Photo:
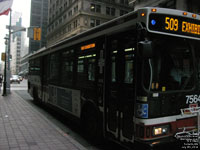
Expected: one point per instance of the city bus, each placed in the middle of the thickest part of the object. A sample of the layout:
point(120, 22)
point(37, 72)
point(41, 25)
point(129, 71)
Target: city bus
point(128, 79)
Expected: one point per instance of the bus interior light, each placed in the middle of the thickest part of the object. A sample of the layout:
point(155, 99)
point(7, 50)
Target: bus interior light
point(157, 85)
point(85, 47)
point(129, 49)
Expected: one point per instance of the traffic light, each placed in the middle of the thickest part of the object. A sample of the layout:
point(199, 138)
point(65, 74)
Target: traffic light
point(37, 34)
point(3, 56)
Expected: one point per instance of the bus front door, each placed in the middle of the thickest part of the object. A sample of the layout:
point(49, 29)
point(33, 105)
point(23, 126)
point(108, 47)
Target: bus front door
point(119, 91)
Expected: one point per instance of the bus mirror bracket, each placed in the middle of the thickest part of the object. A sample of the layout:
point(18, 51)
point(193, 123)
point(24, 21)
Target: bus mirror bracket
point(145, 49)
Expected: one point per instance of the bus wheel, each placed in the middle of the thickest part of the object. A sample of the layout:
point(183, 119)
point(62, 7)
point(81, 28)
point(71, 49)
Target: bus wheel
point(35, 95)
point(91, 125)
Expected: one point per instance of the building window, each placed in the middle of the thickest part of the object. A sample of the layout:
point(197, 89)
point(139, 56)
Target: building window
point(57, 2)
point(70, 2)
point(107, 10)
point(75, 24)
point(122, 12)
point(95, 8)
point(76, 9)
point(70, 13)
point(65, 4)
point(50, 11)
point(69, 27)
point(110, 11)
point(94, 22)
point(60, 20)
point(61, 9)
point(56, 23)
point(64, 17)
point(168, 4)
point(124, 2)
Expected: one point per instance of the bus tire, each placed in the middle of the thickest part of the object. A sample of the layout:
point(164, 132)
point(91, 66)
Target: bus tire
point(91, 124)
point(35, 95)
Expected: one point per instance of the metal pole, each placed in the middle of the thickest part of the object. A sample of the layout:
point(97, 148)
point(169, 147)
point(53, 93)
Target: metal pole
point(8, 54)
point(198, 127)
point(4, 82)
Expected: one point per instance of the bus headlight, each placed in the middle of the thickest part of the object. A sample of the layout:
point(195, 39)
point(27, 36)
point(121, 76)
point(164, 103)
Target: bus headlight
point(160, 130)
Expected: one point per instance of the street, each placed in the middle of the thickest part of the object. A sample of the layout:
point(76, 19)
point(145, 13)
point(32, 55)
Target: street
point(21, 86)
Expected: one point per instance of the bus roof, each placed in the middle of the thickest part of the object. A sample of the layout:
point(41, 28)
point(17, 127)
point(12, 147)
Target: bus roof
point(117, 24)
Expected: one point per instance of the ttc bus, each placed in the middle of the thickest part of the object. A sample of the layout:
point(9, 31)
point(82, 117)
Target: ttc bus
point(127, 79)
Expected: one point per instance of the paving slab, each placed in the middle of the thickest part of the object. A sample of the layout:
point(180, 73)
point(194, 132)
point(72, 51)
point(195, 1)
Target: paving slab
point(22, 127)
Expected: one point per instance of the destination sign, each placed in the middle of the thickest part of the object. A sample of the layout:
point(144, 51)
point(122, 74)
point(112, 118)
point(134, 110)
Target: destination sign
point(175, 25)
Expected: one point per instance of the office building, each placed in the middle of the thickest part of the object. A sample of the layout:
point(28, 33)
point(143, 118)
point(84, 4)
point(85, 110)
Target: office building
point(71, 17)
point(38, 18)
point(16, 44)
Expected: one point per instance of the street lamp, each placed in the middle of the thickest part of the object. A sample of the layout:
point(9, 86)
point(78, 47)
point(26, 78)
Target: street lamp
point(5, 68)
point(7, 72)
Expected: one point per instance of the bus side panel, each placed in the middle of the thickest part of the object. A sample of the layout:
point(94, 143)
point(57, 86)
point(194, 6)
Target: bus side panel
point(35, 84)
point(66, 99)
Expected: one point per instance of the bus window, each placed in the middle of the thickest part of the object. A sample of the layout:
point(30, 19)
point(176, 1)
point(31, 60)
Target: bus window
point(113, 73)
point(129, 58)
point(91, 69)
point(67, 67)
point(34, 68)
point(128, 70)
point(80, 68)
point(171, 68)
point(197, 54)
point(54, 68)
point(67, 72)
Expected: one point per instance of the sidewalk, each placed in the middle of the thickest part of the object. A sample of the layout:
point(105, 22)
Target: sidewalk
point(24, 128)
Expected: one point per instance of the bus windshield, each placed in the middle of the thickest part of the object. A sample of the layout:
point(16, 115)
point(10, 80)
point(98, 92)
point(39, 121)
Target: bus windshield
point(170, 68)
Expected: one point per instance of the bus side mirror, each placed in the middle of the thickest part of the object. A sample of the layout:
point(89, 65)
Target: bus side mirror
point(145, 49)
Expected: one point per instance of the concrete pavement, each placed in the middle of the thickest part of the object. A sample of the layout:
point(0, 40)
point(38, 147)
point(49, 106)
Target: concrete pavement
point(24, 128)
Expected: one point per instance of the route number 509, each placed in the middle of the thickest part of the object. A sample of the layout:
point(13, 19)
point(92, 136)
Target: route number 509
point(171, 24)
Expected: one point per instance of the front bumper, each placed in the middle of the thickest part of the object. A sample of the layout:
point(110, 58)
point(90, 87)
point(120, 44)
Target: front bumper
point(168, 143)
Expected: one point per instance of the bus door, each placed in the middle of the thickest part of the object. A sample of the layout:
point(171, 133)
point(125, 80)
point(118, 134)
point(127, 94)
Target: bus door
point(44, 79)
point(119, 88)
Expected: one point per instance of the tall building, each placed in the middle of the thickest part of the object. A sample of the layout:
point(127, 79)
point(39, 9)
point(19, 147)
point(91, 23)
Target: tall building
point(70, 17)
point(16, 44)
point(38, 18)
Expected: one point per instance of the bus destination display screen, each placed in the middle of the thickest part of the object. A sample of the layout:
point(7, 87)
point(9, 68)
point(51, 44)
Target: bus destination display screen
point(174, 25)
